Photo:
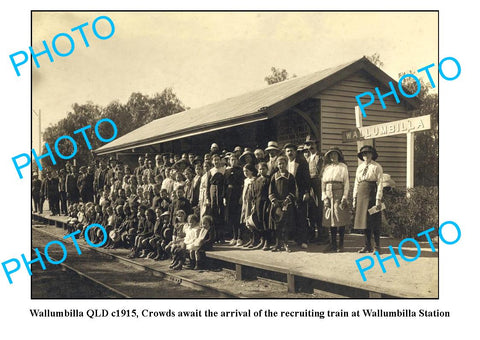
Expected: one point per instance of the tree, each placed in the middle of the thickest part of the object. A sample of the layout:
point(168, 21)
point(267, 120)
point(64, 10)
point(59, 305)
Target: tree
point(375, 59)
point(120, 115)
point(81, 116)
point(165, 104)
point(139, 110)
point(277, 76)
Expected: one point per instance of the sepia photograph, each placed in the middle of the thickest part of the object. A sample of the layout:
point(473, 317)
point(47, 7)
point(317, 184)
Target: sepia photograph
point(234, 154)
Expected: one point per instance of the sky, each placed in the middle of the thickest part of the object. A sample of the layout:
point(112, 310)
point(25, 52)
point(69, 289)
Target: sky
point(209, 56)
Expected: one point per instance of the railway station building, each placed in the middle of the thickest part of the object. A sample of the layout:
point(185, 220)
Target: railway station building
point(321, 104)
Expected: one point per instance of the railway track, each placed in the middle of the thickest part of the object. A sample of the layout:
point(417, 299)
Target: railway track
point(101, 273)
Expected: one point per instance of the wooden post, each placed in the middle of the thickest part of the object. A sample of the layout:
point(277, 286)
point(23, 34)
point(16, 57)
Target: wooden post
point(238, 272)
point(291, 283)
point(359, 124)
point(410, 160)
point(358, 117)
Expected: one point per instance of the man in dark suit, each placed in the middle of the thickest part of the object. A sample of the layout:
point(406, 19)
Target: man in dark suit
point(71, 185)
point(99, 180)
point(111, 170)
point(315, 167)
point(298, 167)
point(234, 179)
point(62, 192)
point(85, 184)
point(37, 194)
point(52, 193)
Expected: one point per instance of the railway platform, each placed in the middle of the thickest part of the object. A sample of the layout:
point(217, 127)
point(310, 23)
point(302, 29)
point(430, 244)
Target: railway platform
point(304, 271)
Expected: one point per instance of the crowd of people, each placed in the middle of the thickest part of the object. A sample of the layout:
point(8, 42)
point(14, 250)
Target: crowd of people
point(176, 206)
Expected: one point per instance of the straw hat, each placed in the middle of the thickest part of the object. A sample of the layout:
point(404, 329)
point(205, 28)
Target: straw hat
point(272, 145)
point(337, 150)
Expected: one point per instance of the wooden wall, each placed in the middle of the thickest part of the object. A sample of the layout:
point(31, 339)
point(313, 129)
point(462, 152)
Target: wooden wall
point(337, 105)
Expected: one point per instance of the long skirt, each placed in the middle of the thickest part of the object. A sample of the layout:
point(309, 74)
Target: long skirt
point(366, 198)
point(335, 216)
point(202, 203)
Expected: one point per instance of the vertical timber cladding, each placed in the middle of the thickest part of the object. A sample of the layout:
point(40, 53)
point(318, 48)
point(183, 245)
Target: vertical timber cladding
point(337, 115)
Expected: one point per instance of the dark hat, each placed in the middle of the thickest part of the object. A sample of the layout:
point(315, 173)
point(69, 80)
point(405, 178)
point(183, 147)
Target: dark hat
point(251, 168)
point(310, 140)
point(368, 148)
point(337, 150)
point(247, 151)
point(197, 159)
point(180, 165)
point(289, 145)
point(272, 145)
point(189, 168)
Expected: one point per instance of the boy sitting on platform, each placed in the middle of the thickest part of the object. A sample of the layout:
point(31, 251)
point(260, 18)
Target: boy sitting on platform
point(197, 239)
point(140, 230)
point(178, 237)
point(156, 241)
point(143, 245)
point(72, 218)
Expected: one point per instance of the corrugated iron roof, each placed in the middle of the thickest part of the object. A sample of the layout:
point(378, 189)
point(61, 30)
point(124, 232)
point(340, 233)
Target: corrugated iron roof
point(249, 107)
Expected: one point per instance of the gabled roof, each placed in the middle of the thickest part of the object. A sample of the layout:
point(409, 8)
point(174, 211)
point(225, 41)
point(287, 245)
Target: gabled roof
point(246, 108)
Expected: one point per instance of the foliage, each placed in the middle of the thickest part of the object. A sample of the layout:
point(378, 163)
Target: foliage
point(277, 76)
point(406, 217)
point(139, 110)
point(375, 59)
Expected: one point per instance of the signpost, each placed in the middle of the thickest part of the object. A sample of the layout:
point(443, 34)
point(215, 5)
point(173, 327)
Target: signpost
point(408, 126)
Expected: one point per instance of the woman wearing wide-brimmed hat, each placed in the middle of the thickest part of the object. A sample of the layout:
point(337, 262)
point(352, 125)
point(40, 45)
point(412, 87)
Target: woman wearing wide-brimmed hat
point(335, 185)
point(367, 193)
point(248, 157)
